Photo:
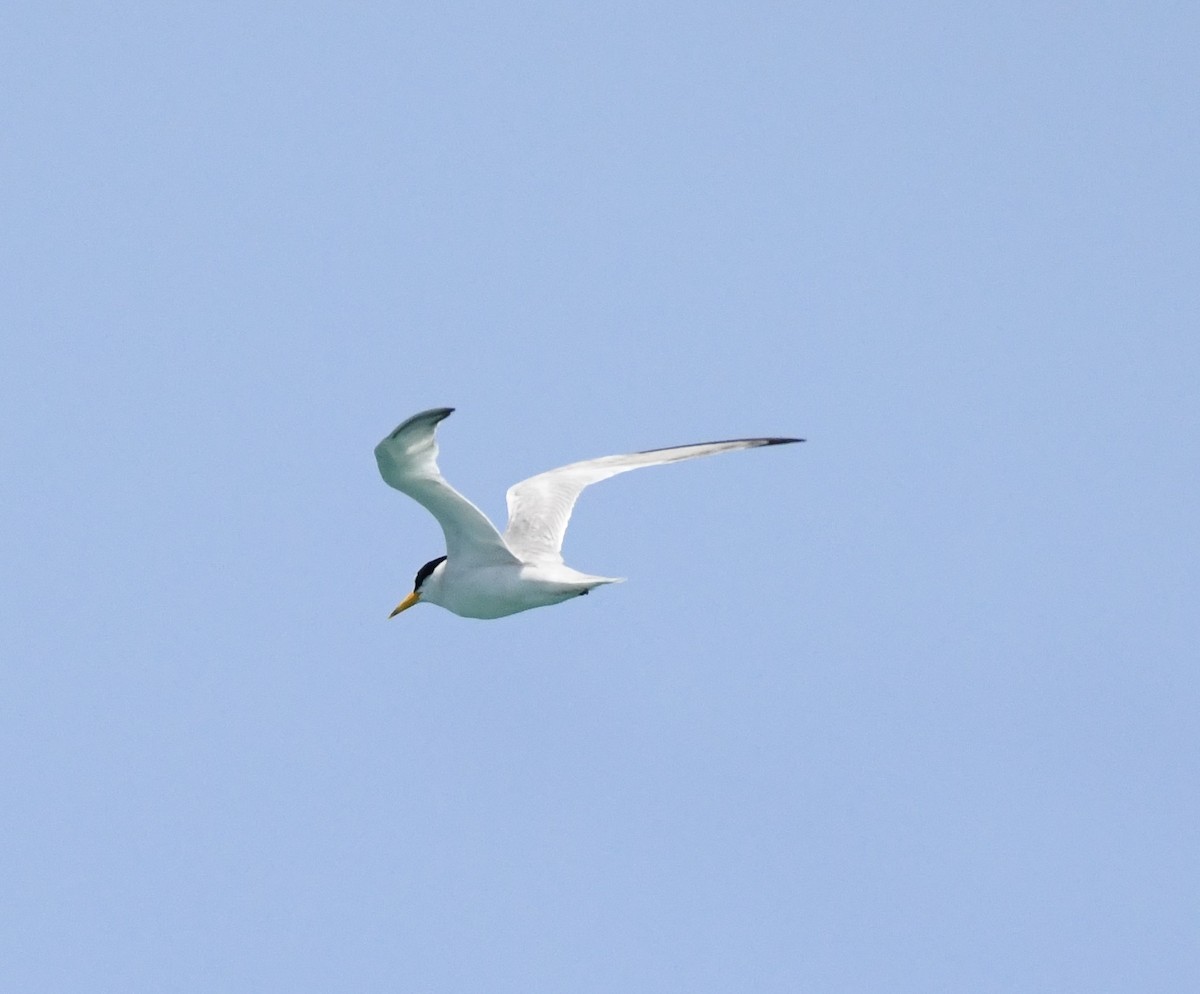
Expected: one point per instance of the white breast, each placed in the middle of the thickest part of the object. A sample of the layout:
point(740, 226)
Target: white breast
point(496, 591)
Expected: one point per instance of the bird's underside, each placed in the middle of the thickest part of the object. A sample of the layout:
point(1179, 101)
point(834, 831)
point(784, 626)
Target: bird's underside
point(488, 575)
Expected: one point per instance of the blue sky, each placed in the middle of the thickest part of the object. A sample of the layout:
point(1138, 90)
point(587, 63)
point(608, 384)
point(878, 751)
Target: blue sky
point(911, 707)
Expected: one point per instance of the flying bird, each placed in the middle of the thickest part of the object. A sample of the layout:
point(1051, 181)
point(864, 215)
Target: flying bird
point(488, 575)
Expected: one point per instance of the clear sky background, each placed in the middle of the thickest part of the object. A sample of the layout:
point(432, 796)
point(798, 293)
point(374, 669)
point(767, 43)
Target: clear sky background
point(911, 707)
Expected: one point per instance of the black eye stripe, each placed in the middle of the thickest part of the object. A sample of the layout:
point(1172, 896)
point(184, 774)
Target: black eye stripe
point(424, 571)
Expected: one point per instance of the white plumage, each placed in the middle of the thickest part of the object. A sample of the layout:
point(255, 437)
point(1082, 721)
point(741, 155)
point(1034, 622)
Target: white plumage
point(488, 575)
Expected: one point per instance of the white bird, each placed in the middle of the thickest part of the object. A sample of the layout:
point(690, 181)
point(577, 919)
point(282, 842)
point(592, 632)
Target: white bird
point(488, 575)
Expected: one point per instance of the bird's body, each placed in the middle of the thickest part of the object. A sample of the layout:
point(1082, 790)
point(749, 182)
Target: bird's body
point(488, 575)
point(495, 591)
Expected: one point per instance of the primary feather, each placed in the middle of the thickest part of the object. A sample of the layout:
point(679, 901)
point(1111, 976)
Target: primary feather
point(539, 509)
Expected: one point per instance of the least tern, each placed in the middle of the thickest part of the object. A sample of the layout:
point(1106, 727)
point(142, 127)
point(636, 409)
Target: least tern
point(488, 575)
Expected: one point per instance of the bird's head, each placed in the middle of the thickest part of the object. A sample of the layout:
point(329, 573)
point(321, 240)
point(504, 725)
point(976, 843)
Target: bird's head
point(419, 584)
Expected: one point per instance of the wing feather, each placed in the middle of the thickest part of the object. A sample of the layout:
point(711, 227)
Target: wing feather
point(539, 508)
point(408, 461)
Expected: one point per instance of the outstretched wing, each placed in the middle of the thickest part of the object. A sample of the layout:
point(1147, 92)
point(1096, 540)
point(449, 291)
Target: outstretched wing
point(540, 507)
point(408, 461)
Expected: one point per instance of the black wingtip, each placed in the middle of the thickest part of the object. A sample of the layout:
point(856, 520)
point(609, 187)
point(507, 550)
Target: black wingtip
point(434, 415)
point(748, 443)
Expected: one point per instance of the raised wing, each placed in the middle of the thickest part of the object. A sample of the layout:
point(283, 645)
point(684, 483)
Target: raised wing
point(540, 507)
point(408, 461)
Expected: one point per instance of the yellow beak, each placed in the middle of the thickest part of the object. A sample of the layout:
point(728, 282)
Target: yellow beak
point(405, 604)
